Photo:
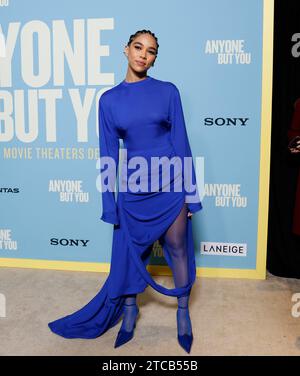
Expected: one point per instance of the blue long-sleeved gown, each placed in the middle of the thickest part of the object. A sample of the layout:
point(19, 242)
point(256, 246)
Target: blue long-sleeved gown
point(148, 116)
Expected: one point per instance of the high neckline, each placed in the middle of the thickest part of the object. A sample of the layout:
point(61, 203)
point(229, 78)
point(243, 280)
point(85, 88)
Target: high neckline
point(148, 78)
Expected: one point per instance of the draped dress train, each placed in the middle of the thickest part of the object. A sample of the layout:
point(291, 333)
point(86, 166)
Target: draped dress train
point(148, 116)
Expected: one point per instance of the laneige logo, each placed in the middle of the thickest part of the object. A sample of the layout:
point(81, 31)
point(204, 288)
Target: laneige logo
point(223, 249)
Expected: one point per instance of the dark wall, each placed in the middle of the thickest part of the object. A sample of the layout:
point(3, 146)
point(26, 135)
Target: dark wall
point(283, 258)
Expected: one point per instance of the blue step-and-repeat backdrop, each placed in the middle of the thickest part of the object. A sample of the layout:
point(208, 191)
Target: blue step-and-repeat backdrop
point(57, 58)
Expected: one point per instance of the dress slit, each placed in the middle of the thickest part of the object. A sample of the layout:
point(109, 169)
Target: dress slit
point(105, 309)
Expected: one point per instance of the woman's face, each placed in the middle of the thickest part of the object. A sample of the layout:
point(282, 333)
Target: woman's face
point(141, 52)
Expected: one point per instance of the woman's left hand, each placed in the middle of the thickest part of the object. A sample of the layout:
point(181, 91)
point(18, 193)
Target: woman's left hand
point(189, 215)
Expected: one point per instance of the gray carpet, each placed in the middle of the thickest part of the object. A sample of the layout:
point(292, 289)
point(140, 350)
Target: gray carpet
point(229, 316)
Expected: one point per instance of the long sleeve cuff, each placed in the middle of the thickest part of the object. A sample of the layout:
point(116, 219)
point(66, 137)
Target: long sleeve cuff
point(193, 208)
point(110, 217)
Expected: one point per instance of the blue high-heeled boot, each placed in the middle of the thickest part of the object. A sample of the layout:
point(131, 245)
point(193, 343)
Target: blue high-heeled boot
point(124, 335)
point(184, 328)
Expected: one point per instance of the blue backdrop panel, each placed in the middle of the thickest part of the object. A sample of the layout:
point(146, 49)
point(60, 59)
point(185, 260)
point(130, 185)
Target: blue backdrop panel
point(56, 59)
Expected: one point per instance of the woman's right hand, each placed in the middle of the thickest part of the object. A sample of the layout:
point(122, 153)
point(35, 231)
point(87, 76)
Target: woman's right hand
point(296, 146)
point(294, 150)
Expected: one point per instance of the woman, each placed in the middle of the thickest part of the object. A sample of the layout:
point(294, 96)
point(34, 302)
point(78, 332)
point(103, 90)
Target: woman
point(294, 146)
point(147, 115)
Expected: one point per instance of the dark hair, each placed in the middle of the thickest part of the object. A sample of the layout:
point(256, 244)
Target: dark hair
point(133, 36)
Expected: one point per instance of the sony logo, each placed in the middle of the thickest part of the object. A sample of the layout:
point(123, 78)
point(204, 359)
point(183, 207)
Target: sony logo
point(69, 242)
point(225, 121)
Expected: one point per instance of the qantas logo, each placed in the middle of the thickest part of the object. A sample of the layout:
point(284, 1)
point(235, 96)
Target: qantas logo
point(9, 190)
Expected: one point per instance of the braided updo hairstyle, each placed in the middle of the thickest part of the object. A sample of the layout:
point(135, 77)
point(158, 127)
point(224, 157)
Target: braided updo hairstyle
point(137, 33)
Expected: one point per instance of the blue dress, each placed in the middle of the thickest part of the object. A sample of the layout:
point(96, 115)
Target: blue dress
point(148, 116)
